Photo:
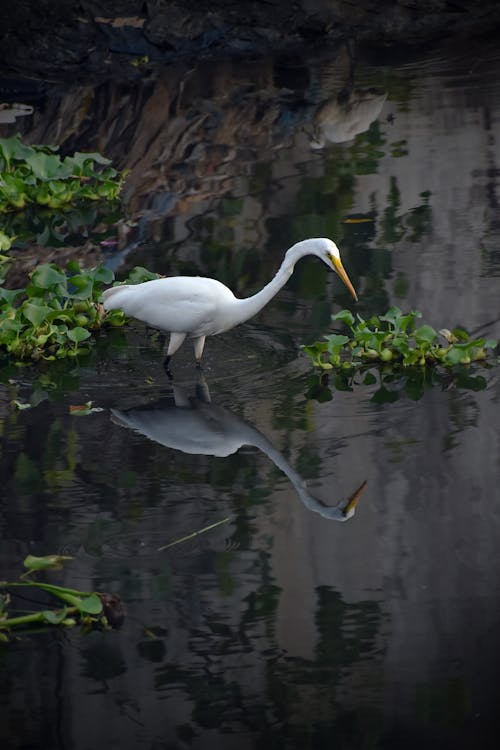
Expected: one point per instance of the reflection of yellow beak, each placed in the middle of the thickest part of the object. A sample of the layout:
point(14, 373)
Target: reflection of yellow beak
point(353, 500)
point(339, 268)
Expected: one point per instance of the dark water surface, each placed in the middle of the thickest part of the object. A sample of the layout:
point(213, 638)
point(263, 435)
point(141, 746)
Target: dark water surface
point(280, 627)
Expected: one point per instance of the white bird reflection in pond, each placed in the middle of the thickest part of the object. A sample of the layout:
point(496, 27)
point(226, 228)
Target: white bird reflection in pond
point(343, 117)
point(195, 425)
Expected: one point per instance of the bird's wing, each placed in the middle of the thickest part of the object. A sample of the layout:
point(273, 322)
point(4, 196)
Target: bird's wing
point(180, 303)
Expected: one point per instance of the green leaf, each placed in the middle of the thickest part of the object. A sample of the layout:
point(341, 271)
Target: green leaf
point(78, 334)
point(453, 356)
point(459, 333)
point(9, 295)
point(139, 274)
point(336, 341)
point(103, 275)
point(36, 314)
point(345, 316)
point(47, 276)
point(425, 334)
point(54, 617)
point(79, 159)
point(80, 287)
point(90, 605)
point(33, 563)
point(12, 148)
point(47, 166)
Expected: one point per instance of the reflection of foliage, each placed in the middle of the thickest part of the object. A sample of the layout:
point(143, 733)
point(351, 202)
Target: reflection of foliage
point(347, 631)
point(301, 695)
point(62, 227)
point(413, 225)
point(366, 150)
point(89, 608)
point(37, 174)
point(411, 383)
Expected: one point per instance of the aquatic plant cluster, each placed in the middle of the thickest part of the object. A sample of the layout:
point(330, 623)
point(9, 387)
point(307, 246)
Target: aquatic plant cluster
point(395, 338)
point(88, 608)
point(53, 317)
point(37, 174)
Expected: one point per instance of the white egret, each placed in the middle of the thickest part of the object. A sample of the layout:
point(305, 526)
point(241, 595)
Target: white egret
point(198, 307)
point(196, 426)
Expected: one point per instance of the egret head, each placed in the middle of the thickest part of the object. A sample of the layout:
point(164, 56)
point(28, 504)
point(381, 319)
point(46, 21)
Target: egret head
point(330, 254)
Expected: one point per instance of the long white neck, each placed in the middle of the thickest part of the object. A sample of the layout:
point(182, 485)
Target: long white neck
point(250, 306)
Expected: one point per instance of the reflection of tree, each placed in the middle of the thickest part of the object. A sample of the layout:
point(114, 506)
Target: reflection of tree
point(299, 698)
point(413, 225)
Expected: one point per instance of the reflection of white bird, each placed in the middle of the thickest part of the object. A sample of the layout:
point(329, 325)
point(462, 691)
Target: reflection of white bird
point(199, 427)
point(199, 307)
point(341, 118)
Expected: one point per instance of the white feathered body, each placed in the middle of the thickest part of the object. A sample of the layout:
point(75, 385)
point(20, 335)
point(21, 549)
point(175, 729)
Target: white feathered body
point(194, 305)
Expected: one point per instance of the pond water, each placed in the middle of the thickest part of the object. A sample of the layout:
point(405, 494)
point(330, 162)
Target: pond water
point(278, 626)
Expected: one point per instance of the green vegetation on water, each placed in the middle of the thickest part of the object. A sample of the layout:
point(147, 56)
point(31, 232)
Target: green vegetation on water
point(395, 338)
point(38, 175)
point(89, 608)
point(54, 316)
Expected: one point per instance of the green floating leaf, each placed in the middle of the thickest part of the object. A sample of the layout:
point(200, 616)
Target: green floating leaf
point(47, 562)
point(426, 334)
point(460, 334)
point(78, 334)
point(345, 316)
point(9, 295)
point(80, 286)
point(36, 314)
point(47, 166)
point(47, 276)
point(336, 341)
point(54, 617)
point(90, 605)
point(139, 274)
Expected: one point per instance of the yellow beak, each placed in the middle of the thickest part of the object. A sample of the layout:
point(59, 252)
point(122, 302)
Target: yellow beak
point(340, 270)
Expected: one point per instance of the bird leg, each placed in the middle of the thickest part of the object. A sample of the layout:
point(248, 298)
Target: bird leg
point(166, 367)
point(175, 342)
point(199, 343)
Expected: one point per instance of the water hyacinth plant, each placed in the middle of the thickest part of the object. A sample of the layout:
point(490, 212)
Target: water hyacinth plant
point(38, 175)
point(395, 339)
point(55, 315)
point(87, 608)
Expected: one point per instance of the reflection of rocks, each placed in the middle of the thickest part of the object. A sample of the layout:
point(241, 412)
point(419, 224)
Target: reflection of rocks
point(67, 40)
point(343, 117)
point(182, 136)
point(198, 427)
